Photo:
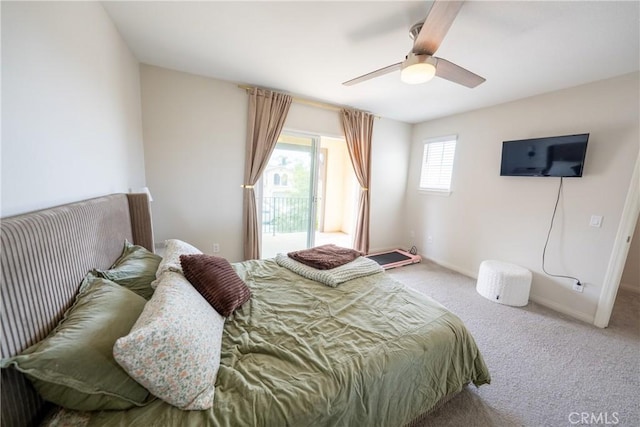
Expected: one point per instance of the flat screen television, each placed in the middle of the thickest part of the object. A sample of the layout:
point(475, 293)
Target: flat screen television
point(559, 156)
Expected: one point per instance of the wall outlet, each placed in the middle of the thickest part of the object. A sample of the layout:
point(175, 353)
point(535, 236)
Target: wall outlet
point(596, 221)
point(429, 239)
point(578, 287)
point(216, 248)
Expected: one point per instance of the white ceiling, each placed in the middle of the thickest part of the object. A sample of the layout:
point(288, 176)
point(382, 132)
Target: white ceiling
point(308, 48)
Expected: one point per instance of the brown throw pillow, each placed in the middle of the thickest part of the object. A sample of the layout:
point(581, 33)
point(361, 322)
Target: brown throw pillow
point(216, 280)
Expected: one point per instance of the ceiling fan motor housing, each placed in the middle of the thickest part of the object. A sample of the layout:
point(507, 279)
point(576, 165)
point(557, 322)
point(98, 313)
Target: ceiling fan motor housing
point(415, 30)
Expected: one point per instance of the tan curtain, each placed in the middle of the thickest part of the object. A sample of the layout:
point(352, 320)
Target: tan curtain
point(358, 128)
point(267, 113)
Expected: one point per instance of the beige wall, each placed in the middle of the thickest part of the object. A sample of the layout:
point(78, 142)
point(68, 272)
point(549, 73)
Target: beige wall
point(339, 179)
point(71, 118)
point(507, 218)
point(194, 136)
point(631, 274)
point(389, 167)
point(194, 142)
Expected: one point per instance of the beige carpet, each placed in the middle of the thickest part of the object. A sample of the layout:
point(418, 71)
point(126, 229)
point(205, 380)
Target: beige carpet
point(547, 369)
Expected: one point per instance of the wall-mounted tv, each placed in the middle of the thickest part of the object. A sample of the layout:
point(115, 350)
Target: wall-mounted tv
point(561, 156)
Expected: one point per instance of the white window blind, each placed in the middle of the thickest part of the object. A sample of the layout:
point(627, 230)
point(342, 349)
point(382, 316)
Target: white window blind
point(437, 164)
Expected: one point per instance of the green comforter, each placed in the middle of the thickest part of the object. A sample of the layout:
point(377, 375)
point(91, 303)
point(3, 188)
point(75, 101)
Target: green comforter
point(370, 352)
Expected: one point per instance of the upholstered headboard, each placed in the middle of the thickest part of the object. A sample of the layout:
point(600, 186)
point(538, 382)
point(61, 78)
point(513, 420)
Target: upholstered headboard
point(44, 256)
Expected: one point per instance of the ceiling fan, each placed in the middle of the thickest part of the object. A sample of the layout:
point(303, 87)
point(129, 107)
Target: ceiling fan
point(420, 65)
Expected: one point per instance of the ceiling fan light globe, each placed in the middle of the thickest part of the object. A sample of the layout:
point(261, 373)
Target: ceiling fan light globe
point(418, 73)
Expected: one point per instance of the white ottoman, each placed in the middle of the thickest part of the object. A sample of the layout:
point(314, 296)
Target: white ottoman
point(504, 283)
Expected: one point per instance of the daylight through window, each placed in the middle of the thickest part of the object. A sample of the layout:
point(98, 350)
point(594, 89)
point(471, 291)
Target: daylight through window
point(437, 164)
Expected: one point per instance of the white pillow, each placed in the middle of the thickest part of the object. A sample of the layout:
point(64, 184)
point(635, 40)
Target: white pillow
point(173, 349)
point(171, 258)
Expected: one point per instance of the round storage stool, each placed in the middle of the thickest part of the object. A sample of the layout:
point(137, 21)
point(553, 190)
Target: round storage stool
point(504, 283)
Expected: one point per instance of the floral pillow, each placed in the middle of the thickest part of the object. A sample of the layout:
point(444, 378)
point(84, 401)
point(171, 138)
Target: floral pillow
point(171, 258)
point(173, 349)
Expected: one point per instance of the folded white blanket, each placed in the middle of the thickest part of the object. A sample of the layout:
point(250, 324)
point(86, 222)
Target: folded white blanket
point(359, 267)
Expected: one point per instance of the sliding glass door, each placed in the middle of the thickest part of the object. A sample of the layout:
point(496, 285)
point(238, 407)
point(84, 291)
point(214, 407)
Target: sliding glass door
point(303, 193)
point(288, 195)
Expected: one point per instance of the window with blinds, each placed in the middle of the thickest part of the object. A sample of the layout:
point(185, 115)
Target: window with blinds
point(437, 164)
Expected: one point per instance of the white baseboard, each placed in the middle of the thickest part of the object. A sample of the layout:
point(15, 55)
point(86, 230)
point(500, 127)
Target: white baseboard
point(538, 300)
point(472, 274)
point(562, 309)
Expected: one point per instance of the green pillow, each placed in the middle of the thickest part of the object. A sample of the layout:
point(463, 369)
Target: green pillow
point(74, 366)
point(135, 269)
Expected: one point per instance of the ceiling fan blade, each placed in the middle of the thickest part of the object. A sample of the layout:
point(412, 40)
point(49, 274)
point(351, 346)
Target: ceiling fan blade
point(435, 26)
point(455, 73)
point(373, 74)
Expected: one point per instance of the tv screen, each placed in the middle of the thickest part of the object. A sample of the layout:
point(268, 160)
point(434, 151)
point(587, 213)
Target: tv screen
point(552, 156)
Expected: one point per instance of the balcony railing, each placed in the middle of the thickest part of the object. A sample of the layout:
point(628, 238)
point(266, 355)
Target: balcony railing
point(285, 215)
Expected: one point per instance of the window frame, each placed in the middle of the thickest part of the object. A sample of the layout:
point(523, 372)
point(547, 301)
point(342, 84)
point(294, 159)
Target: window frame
point(423, 161)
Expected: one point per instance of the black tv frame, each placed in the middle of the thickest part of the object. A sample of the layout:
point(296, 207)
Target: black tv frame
point(545, 157)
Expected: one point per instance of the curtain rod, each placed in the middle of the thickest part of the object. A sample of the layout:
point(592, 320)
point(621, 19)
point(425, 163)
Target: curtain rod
point(310, 102)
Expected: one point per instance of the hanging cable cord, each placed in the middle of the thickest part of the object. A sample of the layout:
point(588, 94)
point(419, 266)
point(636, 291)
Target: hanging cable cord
point(544, 251)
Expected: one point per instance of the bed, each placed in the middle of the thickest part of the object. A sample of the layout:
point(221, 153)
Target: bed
point(366, 352)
